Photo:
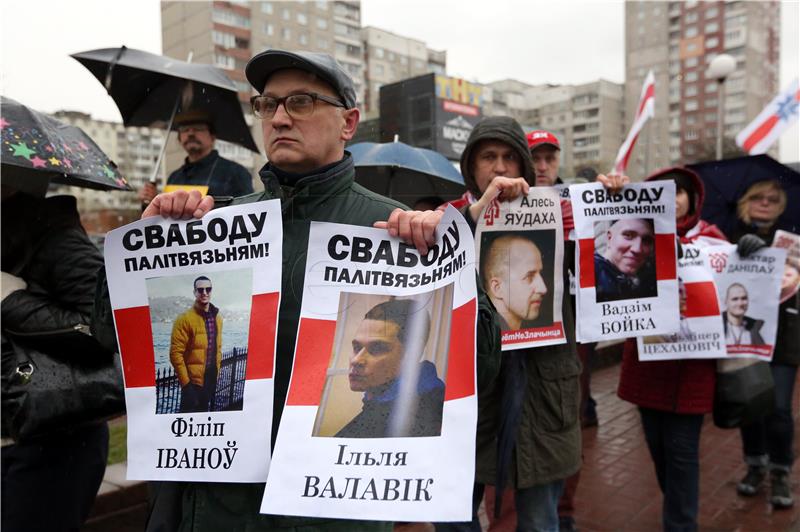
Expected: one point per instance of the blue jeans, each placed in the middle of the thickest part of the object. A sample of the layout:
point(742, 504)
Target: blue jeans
point(674, 443)
point(537, 509)
point(769, 440)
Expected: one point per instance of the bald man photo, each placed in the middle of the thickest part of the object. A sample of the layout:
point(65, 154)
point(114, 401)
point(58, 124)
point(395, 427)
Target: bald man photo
point(516, 277)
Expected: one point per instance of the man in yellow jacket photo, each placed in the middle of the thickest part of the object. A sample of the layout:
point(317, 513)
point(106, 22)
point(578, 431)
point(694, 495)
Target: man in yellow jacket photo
point(195, 350)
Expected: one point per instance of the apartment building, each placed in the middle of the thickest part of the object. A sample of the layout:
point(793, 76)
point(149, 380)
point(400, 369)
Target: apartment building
point(678, 40)
point(586, 118)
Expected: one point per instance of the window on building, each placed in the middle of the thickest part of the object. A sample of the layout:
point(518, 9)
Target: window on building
point(712, 27)
point(229, 18)
point(712, 42)
point(322, 4)
point(323, 43)
point(711, 87)
point(418, 64)
point(404, 60)
point(302, 19)
point(378, 53)
point(269, 29)
point(711, 102)
point(286, 34)
point(379, 70)
point(710, 117)
point(690, 17)
point(690, 105)
point(691, 47)
point(322, 24)
point(303, 39)
point(224, 61)
point(690, 31)
point(712, 12)
point(690, 90)
point(690, 77)
point(221, 38)
point(691, 134)
point(390, 56)
point(690, 62)
point(287, 15)
point(691, 120)
point(266, 7)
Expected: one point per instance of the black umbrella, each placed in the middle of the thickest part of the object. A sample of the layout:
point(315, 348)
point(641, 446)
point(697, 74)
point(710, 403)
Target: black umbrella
point(37, 149)
point(404, 172)
point(726, 181)
point(150, 89)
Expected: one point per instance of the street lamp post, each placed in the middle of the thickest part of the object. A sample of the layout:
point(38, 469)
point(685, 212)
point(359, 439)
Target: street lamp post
point(720, 68)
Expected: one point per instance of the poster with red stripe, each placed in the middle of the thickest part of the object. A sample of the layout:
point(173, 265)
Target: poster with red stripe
point(749, 291)
point(626, 260)
point(379, 422)
point(701, 334)
point(521, 262)
point(195, 308)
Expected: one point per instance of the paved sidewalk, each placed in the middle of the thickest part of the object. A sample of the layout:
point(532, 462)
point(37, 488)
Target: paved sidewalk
point(618, 488)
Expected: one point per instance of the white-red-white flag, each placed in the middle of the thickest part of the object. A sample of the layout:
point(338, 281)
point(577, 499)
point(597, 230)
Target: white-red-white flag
point(778, 115)
point(645, 110)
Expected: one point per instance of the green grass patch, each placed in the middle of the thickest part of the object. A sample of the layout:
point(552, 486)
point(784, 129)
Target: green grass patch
point(117, 441)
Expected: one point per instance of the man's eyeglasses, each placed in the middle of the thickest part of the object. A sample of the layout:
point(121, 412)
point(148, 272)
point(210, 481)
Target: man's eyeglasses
point(194, 128)
point(203, 289)
point(296, 105)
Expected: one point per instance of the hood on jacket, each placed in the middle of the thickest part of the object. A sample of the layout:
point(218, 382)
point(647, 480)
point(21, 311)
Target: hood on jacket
point(502, 128)
point(689, 181)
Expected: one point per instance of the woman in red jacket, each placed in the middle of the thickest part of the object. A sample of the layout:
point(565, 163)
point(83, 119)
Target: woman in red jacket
point(673, 395)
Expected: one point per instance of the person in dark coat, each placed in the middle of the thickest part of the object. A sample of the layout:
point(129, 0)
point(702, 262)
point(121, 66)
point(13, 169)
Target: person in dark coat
point(203, 166)
point(377, 366)
point(768, 443)
point(49, 270)
point(674, 395)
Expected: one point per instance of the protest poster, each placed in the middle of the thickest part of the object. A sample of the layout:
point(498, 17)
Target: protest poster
point(379, 421)
point(626, 260)
point(748, 289)
point(195, 305)
point(791, 270)
point(701, 334)
point(520, 247)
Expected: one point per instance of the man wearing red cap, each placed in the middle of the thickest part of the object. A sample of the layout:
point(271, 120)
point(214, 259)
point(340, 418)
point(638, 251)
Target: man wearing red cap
point(545, 152)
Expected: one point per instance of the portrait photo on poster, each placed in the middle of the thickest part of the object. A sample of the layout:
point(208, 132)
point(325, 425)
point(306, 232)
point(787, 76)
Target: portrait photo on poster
point(741, 328)
point(200, 325)
point(517, 271)
point(624, 259)
point(386, 373)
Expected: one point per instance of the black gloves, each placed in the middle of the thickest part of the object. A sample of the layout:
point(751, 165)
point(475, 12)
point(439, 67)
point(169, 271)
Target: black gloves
point(749, 244)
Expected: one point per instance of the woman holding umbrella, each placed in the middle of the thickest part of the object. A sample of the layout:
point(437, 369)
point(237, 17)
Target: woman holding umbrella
point(768, 441)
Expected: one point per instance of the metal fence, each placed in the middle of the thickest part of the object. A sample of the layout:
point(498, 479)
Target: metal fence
point(230, 384)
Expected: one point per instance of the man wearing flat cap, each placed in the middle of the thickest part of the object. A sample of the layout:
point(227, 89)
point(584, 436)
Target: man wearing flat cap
point(307, 107)
point(203, 168)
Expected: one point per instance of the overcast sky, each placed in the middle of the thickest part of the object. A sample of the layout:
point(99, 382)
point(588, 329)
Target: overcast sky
point(533, 41)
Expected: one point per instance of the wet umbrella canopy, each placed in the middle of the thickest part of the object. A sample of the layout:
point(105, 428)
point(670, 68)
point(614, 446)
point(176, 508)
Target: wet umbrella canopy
point(405, 173)
point(146, 88)
point(37, 149)
point(726, 181)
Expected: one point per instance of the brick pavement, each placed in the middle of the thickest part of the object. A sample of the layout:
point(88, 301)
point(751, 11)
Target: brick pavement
point(618, 488)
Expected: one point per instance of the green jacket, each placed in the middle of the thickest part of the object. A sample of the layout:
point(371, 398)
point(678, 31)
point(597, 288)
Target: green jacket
point(331, 196)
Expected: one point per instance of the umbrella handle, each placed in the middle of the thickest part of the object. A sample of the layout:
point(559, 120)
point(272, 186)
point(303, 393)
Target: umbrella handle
point(154, 177)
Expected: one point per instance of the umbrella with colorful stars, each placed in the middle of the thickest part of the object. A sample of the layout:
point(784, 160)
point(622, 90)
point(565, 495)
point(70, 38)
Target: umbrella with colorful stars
point(36, 147)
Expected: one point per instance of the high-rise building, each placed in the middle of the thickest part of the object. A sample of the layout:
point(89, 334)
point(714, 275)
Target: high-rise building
point(586, 118)
point(135, 150)
point(678, 40)
point(391, 57)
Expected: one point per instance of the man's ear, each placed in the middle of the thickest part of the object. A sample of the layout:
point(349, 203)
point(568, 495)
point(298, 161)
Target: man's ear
point(351, 118)
point(495, 289)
